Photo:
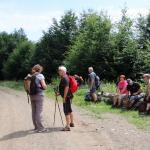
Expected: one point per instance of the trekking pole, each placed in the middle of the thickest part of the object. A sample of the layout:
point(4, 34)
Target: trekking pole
point(60, 111)
point(54, 114)
point(57, 103)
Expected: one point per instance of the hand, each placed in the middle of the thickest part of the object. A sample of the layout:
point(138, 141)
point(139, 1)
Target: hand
point(57, 94)
point(64, 100)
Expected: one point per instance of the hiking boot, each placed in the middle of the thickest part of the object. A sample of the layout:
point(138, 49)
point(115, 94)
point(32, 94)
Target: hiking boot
point(66, 129)
point(72, 125)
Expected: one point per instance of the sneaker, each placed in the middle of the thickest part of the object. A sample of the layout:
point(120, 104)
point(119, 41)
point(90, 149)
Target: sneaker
point(41, 130)
point(66, 129)
point(72, 125)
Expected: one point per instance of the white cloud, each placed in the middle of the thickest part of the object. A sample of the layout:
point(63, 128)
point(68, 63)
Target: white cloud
point(31, 23)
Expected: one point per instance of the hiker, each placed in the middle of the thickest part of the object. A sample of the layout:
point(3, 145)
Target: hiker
point(92, 83)
point(37, 86)
point(79, 80)
point(135, 92)
point(147, 97)
point(67, 97)
point(122, 89)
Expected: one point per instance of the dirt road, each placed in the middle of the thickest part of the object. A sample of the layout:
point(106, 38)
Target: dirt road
point(112, 132)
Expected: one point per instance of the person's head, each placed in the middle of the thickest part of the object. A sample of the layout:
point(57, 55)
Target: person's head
point(37, 69)
point(62, 71)
point(90, 69)
point(146, 77)
point(122, 77)
point(130, 82)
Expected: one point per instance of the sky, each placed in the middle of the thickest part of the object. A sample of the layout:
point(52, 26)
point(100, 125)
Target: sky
point(35, 16)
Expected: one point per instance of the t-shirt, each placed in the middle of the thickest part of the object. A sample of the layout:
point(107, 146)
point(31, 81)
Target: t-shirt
point(91, 77)
point(133, 88)
point(63, 84)
point(121, 86)
point(39, 77)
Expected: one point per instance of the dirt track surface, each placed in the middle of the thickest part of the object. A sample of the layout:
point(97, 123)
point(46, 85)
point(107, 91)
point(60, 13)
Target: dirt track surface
point(112, 132)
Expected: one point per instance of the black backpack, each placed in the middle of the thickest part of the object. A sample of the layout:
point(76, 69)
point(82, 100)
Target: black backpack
point(33, 86)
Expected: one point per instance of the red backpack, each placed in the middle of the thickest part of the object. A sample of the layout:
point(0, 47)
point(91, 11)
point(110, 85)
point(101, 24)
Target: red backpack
point(73, 85)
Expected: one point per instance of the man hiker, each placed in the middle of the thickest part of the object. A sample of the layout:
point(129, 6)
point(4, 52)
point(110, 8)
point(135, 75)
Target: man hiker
point(67, 97)
point(135, 92)
point(147, 97)
point(92, 84)
point(37, 86)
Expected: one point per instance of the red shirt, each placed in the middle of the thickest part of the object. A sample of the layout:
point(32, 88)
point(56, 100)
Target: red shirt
point(121, 86)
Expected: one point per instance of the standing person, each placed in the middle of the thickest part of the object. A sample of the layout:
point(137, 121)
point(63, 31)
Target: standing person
point(37, 86)
point(91, 83)
point(122, 89)
point(67, 97)
point(147, 97)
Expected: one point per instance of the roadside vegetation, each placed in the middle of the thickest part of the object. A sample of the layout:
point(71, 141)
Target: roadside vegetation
point(96, 109)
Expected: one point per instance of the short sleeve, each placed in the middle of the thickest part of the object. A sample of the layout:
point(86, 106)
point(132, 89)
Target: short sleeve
point(41, 77)
point(66, 82)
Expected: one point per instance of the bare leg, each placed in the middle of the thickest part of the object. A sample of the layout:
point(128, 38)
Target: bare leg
point(68, 120)
point(71, 118)
point(148, 107)
point(94, 96)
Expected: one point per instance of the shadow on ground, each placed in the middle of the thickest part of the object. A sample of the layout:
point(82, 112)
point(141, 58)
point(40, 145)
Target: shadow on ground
point(21, 134)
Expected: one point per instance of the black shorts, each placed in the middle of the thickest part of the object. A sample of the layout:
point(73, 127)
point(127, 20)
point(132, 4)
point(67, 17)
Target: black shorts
point(67, 107)
point(147, 100)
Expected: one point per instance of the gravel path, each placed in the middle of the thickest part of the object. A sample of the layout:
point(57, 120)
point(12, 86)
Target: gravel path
point(112, 132)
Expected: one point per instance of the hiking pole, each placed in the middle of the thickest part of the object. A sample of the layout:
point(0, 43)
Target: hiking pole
point(28, 98)
point(60, 111)
point(57, 103)
point(54, 114)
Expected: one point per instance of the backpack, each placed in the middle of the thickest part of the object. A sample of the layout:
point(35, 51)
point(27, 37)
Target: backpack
point(73, 85)
point(26, 83)
point(97, 81)
point(33, 86)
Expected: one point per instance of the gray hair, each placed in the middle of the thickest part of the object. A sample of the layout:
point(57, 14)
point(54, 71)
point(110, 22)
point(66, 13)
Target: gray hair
point(146, 75)
point(62, 68)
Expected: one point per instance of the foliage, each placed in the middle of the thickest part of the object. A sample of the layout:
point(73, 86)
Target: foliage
point(91, 39)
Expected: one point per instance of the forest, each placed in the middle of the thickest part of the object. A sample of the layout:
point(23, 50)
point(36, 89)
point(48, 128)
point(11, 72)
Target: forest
point(80, 41)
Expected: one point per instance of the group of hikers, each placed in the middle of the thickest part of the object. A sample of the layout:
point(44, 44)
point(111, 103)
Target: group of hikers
point(129, 94)
point(35, 85)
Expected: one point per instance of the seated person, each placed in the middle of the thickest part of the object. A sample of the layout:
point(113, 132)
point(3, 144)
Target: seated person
point(135, 92)
point(122, 89)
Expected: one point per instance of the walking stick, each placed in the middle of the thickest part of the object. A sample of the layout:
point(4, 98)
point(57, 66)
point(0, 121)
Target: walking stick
point(59, 111)
point(57, 103)
point(54, 114)
point(28, 98)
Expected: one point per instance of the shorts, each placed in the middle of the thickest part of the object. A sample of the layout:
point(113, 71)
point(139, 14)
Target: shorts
point(147, 100)
point(93, 90)
point(67, 107)
point(137, 97)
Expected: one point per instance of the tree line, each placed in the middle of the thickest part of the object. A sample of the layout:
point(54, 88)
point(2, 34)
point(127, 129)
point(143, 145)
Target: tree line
point(89, 39)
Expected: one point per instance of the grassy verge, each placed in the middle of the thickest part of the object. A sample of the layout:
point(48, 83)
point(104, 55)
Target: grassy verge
point(97, 109)
point(12, 84)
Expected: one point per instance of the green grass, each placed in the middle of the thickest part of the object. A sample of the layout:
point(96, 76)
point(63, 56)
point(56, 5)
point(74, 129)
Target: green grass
point(96, 109)
point(12, 84)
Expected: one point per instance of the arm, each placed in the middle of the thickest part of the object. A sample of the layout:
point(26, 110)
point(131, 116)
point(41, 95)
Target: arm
point(91, 83)
point(138, 92)
point(65, 93)
point(148, 92)
point(43, 84)
point(124, 89)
